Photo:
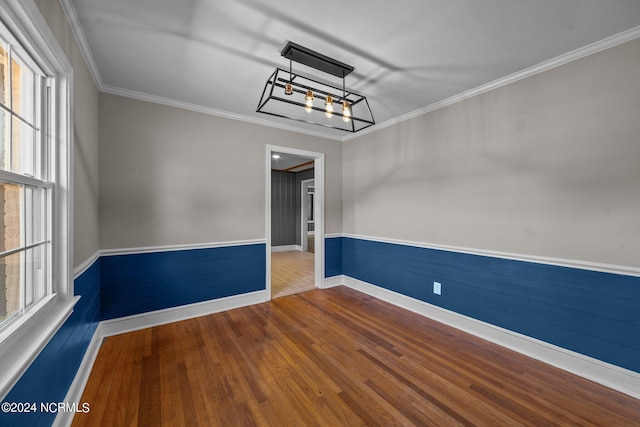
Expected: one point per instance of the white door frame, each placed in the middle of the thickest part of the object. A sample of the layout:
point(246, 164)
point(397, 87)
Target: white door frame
point(318, 208)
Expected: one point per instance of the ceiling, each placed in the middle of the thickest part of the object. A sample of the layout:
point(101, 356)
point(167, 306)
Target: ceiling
point(290, 163)
point(215, 56)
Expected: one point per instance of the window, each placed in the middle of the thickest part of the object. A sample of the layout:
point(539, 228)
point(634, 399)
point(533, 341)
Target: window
point(25, 184)
point(36, 287)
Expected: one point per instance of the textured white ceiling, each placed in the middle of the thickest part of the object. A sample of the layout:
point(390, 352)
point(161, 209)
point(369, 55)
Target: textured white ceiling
point(288, 162)
point(408, 54)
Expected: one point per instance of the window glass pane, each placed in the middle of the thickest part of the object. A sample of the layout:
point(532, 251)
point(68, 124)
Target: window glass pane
point(5, 140)
point(22, 90)
point(22, 147)
point(10, 217)
point(35, 274)
point(10, 285)
point(4, 75)
point(35, 213)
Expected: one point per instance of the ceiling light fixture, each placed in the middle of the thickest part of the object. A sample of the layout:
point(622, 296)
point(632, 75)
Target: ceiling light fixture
point(309, 101)
point(346, 108)
point(300, 91)
point(328, 109)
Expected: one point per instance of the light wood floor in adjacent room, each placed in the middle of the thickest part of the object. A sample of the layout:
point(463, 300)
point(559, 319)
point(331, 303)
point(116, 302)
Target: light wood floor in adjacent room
point(291, 272)
point(333, 357)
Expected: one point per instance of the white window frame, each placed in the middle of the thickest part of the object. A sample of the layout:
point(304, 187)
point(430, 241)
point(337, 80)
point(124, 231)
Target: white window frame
point(23, 339)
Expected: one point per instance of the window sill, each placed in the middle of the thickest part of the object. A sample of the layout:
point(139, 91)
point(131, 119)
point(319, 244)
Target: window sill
point(22, 343)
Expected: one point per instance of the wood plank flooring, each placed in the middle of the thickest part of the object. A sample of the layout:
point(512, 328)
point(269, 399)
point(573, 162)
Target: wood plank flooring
point(291, 272)
point(332, 357)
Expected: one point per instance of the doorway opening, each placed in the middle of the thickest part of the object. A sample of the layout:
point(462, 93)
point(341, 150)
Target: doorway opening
point(295, 220)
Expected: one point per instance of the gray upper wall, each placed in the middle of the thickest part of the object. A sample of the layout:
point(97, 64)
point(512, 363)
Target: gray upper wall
point(546, 166)
point(169, 176)
point(85, 133)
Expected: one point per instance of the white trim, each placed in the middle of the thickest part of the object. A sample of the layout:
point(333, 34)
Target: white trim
point(563, 59)
point(149, 319)
point(84, 266)
point(333, 235)
point(583, 265)
point(17, 178)
point(609, 375)
point(319, 219)
point(182, 247)
point(330, 282)
point(286, 248)
point(74, 394)
point(78, 32)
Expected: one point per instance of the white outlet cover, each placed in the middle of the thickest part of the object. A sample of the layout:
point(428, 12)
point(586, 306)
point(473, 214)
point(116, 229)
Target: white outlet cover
point(437, 288)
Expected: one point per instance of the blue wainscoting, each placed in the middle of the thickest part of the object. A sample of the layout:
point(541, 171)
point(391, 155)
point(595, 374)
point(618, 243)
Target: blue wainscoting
point(332, 256)
point(593, 313)
point(139, 283)
point(50, 375)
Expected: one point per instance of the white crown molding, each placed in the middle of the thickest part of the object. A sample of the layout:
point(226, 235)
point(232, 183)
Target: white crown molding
point(563, 59)
point(562, 262)
point(127, 93)
point(74, 21)
point(609, 375)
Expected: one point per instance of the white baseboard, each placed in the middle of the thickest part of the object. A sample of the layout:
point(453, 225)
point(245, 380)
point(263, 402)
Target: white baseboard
point(330, 282)
point(175, 314)
point(285, 248)
point(74, 394)
point(609, 375)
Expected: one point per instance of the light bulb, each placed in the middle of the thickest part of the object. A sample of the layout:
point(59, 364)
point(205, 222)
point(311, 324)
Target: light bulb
point(288, 89)
point(346, 112)
point(308, 101)
point(328, 111)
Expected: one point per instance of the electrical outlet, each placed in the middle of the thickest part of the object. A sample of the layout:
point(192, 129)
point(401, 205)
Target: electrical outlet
point(437, 288)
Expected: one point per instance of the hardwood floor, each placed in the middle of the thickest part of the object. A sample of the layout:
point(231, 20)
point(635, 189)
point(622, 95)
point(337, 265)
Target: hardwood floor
point(291, 272)
point(332, 357)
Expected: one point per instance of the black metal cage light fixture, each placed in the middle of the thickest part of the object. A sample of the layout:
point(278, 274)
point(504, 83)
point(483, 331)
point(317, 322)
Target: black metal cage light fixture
point(293, 96)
